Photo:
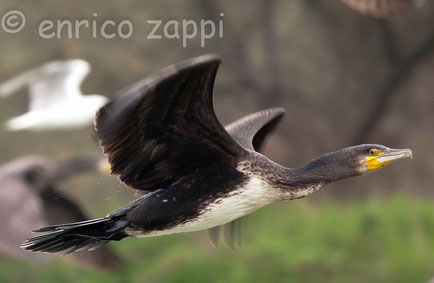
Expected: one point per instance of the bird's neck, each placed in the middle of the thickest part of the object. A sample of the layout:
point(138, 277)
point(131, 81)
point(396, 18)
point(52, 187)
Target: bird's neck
point(317, 172)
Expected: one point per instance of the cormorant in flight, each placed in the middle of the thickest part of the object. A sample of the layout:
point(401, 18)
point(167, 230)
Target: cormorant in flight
point(163, 138)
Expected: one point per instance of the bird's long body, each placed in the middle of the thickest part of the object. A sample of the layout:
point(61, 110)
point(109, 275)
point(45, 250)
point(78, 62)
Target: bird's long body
point(163, 138)
point(173, 211)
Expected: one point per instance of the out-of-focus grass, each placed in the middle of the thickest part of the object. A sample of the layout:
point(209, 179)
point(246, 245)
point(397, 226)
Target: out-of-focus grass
point(377, 240)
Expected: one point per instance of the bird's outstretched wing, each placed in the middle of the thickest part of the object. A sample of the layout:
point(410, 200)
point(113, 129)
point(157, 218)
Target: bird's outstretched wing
point(250, 131)
point(164, 128)
point(14, 84)
point(49, 84)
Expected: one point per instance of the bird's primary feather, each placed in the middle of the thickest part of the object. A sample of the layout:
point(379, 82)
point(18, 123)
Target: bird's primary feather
point(164, 129)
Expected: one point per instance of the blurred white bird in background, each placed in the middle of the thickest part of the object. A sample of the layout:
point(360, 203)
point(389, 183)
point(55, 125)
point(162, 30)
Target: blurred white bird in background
point(56, 101)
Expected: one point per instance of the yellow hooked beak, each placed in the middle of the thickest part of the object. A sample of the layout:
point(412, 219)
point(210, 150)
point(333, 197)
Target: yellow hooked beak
point(381, 158)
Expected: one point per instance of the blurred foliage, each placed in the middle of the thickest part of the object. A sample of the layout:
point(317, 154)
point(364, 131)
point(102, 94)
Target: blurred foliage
point(371, 241)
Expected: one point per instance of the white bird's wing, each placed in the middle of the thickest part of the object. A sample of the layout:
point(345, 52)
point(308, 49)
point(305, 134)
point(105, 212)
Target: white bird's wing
point(16, 83)
point(56, 82)
point(49, 84)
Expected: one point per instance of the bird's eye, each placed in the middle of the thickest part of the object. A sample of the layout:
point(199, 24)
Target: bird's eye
point(372, 152)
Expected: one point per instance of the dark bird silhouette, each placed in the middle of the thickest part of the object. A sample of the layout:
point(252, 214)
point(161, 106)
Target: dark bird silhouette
point(163, 138)
point(29, 199)
point(382, 8)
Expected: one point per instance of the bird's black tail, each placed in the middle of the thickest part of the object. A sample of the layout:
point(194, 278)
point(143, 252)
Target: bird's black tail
point(89, 235)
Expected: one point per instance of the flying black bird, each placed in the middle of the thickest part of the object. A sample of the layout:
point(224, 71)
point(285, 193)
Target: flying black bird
point(29, 199)
point(162, 137)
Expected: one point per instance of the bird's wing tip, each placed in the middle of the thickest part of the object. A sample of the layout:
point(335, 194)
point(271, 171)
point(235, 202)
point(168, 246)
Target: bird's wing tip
point(273, 112)
point(207, 58)
point(278, 110)
point(192, 63)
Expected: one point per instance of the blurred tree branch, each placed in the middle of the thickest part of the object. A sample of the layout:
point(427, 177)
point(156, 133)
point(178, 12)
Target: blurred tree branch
point(235, 46)
point(401, 70)
point(391, 48)
point(241, 61)
point(271, 48)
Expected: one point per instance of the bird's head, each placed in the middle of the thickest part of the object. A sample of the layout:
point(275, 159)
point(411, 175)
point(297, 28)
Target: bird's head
point(38, 176)
point(353, 161)
point(372, 157)
point(40, 172)
point(37, 171)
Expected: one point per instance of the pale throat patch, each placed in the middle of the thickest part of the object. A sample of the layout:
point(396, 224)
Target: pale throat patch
point(288, 194)
point(256, 193)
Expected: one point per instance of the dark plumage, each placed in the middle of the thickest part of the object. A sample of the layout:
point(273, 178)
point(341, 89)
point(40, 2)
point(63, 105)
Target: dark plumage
point(163, 138)
point(29, 200)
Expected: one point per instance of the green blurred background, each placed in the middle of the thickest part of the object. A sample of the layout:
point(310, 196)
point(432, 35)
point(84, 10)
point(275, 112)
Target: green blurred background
point(344, 78)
